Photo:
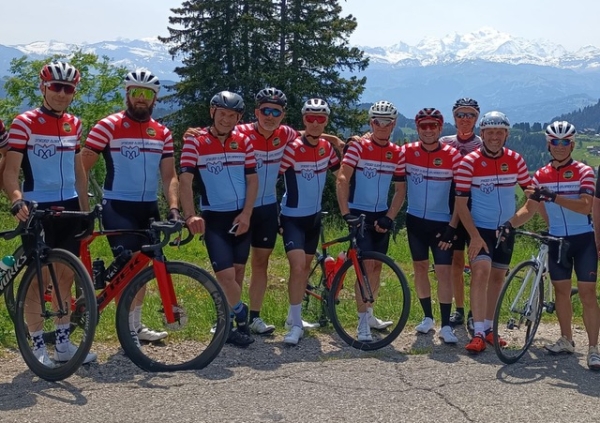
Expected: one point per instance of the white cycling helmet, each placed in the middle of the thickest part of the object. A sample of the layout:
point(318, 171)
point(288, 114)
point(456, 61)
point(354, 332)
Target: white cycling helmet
point(60, 72)
point(316, 105)
point(494, 120)
point(142, 78)
point(560, 130)
point(383, 109)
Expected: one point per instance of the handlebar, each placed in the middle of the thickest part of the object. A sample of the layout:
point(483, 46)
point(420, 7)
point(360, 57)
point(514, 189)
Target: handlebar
point(545, 238)
point(167, 229)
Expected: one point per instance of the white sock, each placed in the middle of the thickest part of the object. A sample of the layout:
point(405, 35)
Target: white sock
point(137, 317)
point(479, 328)
point(296, 314)
point(363, 319)
point(369, 311)
point(487, 324)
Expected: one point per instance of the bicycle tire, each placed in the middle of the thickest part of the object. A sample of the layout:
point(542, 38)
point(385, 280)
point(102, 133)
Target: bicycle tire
point(190, 345)
point(392, 302)
point(517, 290)
point(313, 309)
point(82, 283)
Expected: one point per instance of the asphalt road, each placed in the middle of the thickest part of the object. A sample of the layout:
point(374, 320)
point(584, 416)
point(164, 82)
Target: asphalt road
point(321, 380)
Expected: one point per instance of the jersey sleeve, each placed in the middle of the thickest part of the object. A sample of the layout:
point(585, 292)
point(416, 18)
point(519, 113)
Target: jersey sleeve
point(19, 134)
point(250, 160)
point(334, 161)
point(464, 177)
point(99, 136)
point(3, 135)
point(401, 167)
point(523, 178)
point(288, 159)
point(190, 152)
point(168, 148)
point(587, 181)
point(352, 155)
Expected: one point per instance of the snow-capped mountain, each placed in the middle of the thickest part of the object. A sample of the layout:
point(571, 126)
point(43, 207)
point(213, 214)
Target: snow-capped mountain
point(530, 80)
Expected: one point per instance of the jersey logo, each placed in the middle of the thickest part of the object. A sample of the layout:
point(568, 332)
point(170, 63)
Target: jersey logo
point(215, 168)
point(233, 145)
point(44, 151)
point(388, 155)
point(67, 127)
point(487, 188)
point(276, 142)
point(437, 162)
point(130, 152)
point(417, 178)
point(321, 151)
point(568, 174)
point(126, 125)
point(370, 172)
point(504, 167)
point(151, 132)
point(307, 174)
point(41, 120)
point(259, 163)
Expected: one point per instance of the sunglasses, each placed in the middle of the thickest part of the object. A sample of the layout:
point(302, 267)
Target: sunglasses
point(382, 123)
point(315, 118)
point(146, 93)
point(429, 125)
point(267, 111)
point(58, 87)
point(562, 142)
point(463, 115)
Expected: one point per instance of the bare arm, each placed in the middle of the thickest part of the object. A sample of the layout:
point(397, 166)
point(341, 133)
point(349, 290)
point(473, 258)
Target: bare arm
point(342, 187)
point(397, 199)
point(524, 213)
point(582, 205)
point(11, 175)
point(243, 219)
point(337, 143)
point(596, 220)
point(81, 184)
point(169, 181)
point(3, 151)
point(186, 195)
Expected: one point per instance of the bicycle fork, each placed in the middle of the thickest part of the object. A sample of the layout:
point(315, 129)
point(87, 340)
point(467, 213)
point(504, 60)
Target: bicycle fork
point(364, 285)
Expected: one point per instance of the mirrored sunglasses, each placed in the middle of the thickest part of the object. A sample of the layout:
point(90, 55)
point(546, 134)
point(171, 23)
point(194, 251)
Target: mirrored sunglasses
point(429, 125)
point(382, 123)
point(315, 118)
point(267, 111)
point(562, 142)
point(58, 87)
point(465, 115)
point(146, 93)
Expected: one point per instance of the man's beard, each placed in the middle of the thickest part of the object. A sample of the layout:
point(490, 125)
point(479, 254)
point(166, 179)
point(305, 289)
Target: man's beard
point(139, 114)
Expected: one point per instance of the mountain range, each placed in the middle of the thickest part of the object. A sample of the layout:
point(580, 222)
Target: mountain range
point(529, 80)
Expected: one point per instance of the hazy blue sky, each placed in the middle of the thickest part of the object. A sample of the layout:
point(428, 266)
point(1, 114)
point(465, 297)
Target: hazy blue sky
point(380, 22)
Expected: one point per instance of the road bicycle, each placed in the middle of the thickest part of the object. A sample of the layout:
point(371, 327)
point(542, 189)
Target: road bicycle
point(52, 277)
point(176, 297)
point(334, 298)
point(526, 293)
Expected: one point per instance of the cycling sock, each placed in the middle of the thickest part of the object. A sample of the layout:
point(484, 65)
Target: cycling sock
point(460, 310)
point(254, 315)
point(479, 328)
point(369, 311)
point(37, 338)
point(241, 313)
point(487, 325)
point(62, 333)
point(296, 314)
point(445, 310)
point(426, 305)
point(137, 317)
point(363, 318)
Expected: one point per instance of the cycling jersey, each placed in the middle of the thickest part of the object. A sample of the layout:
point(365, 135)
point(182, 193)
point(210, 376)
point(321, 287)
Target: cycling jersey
point(429, 177)
point(569, 180)
point(268, 153)
point(49, 145)
point(375, 168)
point(490, 183)
point(464, 147)
point(3, 135)
point(221, 168)
point(132, 151)
point(304, 169)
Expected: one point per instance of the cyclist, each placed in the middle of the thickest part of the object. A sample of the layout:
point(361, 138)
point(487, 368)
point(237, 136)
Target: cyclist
point(566, 189)
point(429, 167)
point(44, 143)
point(488, 177)
point(3, 150)
point(224, 162)
point(304, 168)
point(369, 167)
point(466, 112)
point(136, 149)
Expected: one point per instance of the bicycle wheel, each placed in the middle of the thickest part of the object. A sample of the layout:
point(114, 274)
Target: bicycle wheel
point(314, 304)
point(57, 265)
point(190, 343)
point(516, 317)
point(392, 301)
point(9, 291)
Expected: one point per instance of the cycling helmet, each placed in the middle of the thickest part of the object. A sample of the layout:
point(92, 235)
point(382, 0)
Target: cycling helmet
point(429, 113)
point(560, 130)
point(142, 78)
point(315, 105)
point(383, 109)
point(466, 102)
point(494, 120)
point(60, 72)
point(271, 95)
point(228, 100)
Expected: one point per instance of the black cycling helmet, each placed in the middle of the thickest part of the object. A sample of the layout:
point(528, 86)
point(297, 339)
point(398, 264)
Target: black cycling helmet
point(228, 100)
point(271, 95)
point(466, 102)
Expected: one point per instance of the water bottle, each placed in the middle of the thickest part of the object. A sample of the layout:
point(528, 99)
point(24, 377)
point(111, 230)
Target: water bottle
point(98, 272)
point(329, 270)
point(117, 265)
point(341, 258)
point(6, 264)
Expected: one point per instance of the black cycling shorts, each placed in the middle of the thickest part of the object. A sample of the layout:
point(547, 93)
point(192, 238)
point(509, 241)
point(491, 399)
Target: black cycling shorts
point(224, 249)
point(301, 233)
point(580, 256)
point(264, 225)
point(422, 237)
point(120, 214)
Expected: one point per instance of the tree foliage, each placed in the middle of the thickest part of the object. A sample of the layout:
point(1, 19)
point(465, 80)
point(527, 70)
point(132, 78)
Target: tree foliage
point(299, 46)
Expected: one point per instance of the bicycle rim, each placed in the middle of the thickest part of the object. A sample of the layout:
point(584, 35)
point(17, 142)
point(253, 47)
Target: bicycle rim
point(189, 344)
point(516, 319)
point(392, 302)
point(64, 266)
point(313, 308)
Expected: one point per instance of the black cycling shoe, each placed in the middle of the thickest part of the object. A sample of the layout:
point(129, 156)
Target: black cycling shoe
point(470, 324)
point(457, 319)
point(239, 339)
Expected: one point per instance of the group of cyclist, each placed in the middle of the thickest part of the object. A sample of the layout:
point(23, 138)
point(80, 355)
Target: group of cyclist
point(460, 191)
